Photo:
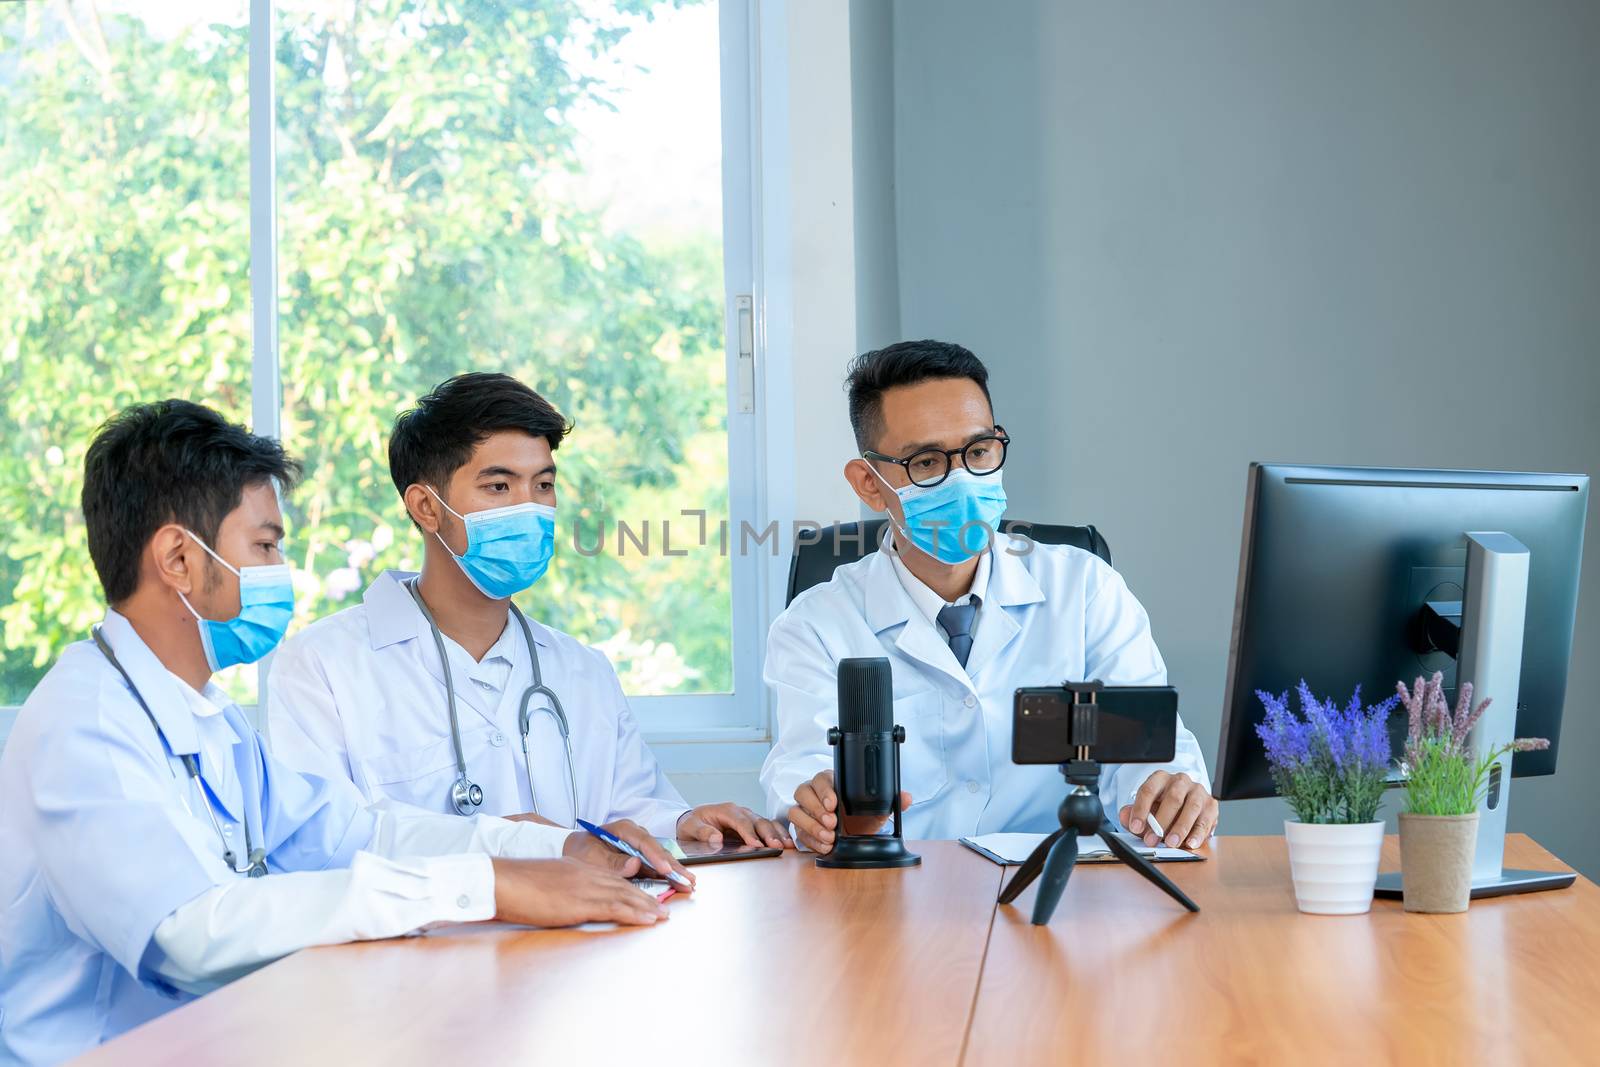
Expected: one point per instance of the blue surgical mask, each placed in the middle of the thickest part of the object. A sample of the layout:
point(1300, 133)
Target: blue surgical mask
point(266, 604)
point(954, 520)
point(508, 549)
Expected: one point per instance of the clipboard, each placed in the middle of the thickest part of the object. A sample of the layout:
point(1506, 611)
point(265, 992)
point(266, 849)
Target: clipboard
point(1010, 850)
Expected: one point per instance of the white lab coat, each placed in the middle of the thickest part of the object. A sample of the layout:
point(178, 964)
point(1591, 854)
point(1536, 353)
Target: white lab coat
point(115, 902)
point(360, 695)
point(1052, 614)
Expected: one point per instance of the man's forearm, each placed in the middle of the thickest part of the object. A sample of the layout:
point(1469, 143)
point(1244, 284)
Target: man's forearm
point(404, 831)
point(233, 929)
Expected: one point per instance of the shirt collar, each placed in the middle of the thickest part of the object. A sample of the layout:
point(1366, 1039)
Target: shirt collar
point(927, 602)
point(204, 703)
point(508, 651)
point(1005, 574)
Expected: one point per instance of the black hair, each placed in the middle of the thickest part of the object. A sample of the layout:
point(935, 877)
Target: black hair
point(170, 461)
point(905, 363)
point(436, 437)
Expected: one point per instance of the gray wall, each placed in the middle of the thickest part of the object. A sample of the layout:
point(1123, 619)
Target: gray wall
point(872, 158)
point(1189, 235)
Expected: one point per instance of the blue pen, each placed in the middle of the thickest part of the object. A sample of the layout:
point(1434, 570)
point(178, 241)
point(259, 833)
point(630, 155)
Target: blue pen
point(622, 846)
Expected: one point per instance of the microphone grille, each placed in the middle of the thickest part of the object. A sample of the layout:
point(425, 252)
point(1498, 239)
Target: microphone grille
point(866, 695)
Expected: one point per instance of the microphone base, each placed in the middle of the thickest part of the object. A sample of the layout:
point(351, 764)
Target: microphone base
point(867, 852)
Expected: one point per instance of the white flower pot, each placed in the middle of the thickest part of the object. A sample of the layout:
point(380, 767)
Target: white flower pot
point(1334, 866)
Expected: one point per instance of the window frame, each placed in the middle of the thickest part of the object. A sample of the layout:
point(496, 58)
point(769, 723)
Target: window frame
point(740, 715)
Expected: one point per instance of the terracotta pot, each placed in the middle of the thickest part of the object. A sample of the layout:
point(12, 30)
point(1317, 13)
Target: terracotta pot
point(1436, 861)
point(1334, 865)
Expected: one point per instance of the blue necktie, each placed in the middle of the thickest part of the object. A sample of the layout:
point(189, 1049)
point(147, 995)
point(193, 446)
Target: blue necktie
point(956, 619)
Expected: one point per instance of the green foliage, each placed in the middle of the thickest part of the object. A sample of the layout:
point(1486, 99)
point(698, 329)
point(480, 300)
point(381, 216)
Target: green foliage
point(1443, 776)
point(1443, 780)
point(421, 234)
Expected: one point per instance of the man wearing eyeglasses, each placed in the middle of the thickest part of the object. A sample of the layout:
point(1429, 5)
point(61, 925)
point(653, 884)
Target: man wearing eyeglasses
point(965, 618)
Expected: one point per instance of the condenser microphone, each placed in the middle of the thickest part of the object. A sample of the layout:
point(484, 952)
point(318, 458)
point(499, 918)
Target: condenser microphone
point(866, 766)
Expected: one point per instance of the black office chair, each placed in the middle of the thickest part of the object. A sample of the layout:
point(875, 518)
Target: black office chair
point(817, 556)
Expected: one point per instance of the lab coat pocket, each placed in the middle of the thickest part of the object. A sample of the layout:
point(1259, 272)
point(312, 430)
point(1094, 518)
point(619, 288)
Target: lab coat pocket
point(923, 770)
point(407, 766)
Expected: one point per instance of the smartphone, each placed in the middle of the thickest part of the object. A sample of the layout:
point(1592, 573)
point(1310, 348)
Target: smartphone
point(1137, 724)
point(694, 852)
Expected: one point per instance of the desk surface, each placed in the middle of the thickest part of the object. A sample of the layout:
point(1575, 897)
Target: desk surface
point(779, 962)
point(767, 959)
point(1250, 980)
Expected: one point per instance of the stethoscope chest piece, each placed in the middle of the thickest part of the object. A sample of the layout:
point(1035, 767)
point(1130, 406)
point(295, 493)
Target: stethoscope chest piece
point(466, 795)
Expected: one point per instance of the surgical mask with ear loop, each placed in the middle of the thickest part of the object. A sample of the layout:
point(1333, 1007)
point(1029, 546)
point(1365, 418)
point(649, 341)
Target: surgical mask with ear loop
point(266, 604)
point(954, 520)
point(508, 549)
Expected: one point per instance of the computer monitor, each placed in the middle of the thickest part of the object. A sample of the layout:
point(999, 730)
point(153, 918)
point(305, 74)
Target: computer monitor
point(1368, 576)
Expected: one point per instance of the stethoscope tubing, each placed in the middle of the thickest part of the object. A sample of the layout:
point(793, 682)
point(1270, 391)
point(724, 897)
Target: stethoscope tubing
point(257, 858)
point(463, 785)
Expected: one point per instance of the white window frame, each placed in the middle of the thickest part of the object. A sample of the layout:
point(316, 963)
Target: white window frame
point(726, 730)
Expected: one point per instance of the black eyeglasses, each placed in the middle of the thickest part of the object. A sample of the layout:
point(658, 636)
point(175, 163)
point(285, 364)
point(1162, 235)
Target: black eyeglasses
point(931, 466)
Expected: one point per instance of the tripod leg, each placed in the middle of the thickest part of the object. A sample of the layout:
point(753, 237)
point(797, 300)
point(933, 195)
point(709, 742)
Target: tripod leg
point(1057, 869)
point(1029, 870)
point(1124, 852)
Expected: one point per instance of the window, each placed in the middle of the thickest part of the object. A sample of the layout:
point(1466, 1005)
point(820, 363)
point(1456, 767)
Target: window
point(124, 255)
point(533, 186)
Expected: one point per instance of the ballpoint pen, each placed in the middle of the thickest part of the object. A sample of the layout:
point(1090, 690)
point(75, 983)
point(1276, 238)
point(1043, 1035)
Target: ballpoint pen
point(622, 846)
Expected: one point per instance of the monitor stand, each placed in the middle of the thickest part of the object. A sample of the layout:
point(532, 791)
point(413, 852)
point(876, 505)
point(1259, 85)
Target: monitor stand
point(1489, 655)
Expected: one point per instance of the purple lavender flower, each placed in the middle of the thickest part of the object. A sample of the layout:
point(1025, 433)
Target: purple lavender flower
point(1437, 716)
point(1287, 740)
point(1466, 716)
point(1414, 702)
point(1328, 762)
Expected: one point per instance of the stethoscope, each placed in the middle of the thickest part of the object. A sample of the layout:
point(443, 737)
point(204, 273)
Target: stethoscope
point(257, 857)
point(466, 796)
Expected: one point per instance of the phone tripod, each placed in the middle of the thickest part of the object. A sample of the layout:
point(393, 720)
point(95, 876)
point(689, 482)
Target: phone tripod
point(1081, 815)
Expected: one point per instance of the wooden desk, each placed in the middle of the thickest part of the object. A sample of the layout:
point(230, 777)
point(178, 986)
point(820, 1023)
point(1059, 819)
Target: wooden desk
point(784, 963)
point(771, 958)
point(1122, 971)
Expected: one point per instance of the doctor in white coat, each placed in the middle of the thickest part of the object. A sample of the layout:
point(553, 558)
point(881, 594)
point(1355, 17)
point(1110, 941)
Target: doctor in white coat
point(150, 848)
point(431, 712)
point(964, 622)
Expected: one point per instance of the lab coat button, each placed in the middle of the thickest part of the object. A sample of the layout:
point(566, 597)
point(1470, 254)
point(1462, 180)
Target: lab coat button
point(972, 787)
point(498, 739)
point(463, 901)
point(971, 701)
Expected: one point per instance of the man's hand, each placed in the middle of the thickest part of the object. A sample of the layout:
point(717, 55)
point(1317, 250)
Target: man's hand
point(565, 893)
point(815, 817)
point(708, 821)
point(587, 848)
point(1180, 804)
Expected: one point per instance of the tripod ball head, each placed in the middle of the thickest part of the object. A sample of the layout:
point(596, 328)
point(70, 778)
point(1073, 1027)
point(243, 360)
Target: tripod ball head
point(1081, 811)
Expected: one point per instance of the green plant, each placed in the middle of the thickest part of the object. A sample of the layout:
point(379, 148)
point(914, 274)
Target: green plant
point(1443, 776)
point(1329, 763)
point(423, 150)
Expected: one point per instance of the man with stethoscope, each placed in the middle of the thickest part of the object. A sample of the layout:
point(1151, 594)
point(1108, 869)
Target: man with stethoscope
point(438, 691)
point(151, 849)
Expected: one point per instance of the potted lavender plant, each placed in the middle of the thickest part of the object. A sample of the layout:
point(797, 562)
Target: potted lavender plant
point(1444, 782)
point(1329, 764)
